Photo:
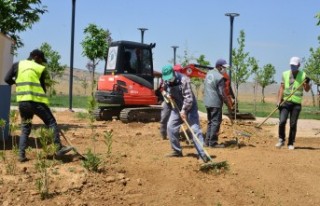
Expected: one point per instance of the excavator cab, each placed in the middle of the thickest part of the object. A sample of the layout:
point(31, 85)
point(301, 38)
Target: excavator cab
point(127, 85)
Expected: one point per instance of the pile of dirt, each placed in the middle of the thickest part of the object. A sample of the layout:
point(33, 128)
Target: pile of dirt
point(138, 173)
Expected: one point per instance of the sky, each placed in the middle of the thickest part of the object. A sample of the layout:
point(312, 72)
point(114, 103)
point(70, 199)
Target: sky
point(275, 30)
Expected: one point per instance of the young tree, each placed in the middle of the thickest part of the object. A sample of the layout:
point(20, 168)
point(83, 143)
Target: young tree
point(95, 46)
point(55, 69)
point(197, 82)
point(242, 65)
point(318, 17)
point(312, 67)
point(84, 83)
point(18, 16)
point(265, 77)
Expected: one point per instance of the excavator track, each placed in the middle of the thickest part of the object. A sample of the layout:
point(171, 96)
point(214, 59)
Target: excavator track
point(106, 113)
point(140, 114)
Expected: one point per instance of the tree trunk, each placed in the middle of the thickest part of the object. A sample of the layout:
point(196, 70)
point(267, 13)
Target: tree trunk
point(318, 88)
point(262, 98)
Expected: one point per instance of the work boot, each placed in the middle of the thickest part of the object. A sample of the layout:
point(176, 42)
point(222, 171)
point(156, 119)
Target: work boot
point(22, 158)
point(63, 150)
point(174, 154)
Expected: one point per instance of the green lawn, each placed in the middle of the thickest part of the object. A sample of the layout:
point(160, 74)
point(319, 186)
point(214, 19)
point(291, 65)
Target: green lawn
point(264, 109)
point(259, 110)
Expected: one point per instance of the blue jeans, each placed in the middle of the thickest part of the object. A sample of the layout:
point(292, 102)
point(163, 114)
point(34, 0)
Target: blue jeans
point(294, 110)
point(174, 125)
point(27, 110)
point(214, 116)
point(165, 114)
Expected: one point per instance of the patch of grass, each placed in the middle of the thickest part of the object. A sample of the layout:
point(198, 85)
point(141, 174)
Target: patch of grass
point(264, 109)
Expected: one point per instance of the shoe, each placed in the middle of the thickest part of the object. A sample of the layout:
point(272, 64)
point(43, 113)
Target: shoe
point(291, 147)
point(216, 145)
point(279, 144)
point(22, 159)
point(63, 150)
point(174, 154)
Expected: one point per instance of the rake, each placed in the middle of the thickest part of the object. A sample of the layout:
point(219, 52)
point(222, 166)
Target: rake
point(70, 144)
point(206, 166)
point(286, 99)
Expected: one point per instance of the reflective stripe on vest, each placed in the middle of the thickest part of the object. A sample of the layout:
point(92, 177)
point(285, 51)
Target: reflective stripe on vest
point(28, 87)
point(289, 88)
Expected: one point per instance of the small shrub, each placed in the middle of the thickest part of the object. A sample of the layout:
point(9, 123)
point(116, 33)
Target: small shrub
point(92, 162)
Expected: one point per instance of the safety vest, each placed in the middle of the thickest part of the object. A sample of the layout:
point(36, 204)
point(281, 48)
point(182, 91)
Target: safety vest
point(28, 87)
point(289, 88)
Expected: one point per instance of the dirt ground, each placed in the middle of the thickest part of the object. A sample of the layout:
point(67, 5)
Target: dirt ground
point(138, 173)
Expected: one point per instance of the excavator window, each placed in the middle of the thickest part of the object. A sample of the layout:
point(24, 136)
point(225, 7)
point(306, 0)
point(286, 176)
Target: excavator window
point(137, 61)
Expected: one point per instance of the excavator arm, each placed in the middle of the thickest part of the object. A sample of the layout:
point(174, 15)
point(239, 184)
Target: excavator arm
point(199, 71)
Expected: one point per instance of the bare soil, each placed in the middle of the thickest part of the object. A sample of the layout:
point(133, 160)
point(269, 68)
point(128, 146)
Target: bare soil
point(138, 173)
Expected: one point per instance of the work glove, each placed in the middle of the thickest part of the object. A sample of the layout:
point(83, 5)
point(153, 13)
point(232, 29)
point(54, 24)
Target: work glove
point(279, 105)
point(166, 96)
point(307, 80)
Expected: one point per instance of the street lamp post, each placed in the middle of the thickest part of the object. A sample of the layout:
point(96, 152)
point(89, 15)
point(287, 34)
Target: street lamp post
point(174, 54)
point(231, 16)
point(71, 53)
point(142, 33)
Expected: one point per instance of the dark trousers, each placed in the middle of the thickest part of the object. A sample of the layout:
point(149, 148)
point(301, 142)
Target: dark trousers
point(292, 109)
point(214, 116)
point(27, 110)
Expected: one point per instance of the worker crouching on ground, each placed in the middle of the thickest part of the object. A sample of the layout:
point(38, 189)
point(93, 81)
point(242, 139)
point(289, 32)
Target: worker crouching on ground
point(178, 87)
point(214, 96)
point(293, 83)
point(30, 77)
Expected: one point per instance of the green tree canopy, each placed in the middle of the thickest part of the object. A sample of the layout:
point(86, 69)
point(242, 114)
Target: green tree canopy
point(18, 16)
point(243, 65)
point(95, 46)
point(54, 68)
point(265, 77)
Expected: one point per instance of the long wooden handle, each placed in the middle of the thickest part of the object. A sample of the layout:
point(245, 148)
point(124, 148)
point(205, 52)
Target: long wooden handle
point(174, 105)
point(69, 142)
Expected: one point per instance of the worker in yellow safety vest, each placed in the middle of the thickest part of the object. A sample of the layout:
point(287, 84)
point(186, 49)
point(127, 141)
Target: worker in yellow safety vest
point(30, 77)
point(294, 82)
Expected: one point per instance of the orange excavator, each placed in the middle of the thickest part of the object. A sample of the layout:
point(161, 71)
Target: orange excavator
point(127, 91)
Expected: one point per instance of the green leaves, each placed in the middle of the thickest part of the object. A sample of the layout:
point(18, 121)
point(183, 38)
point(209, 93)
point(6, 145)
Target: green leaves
point(243, 65)
point(95, 43)
point(18, 16)
point(54, 68)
